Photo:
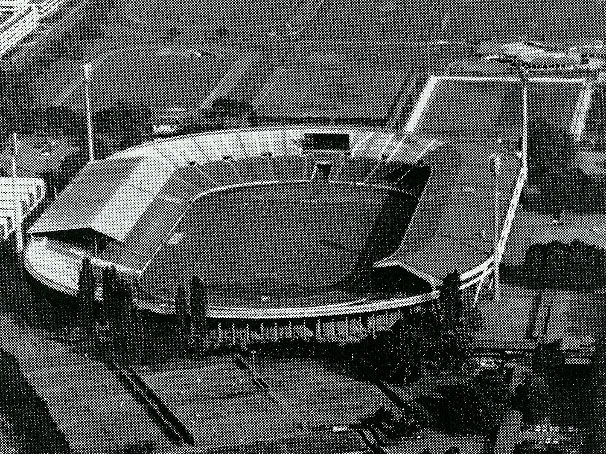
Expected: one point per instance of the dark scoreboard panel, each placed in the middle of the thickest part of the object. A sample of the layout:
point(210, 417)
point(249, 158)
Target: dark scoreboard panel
point(325, 141)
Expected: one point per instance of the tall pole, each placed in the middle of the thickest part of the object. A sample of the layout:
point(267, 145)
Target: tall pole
point(524, 80)
point(17, 201)
point(87, 68)
point(497, 196)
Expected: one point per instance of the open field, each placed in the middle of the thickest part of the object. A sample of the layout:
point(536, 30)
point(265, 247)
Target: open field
point(477, 110)
point(220, 405)
point(329, 87)
point(391, 38)
point(295, 238)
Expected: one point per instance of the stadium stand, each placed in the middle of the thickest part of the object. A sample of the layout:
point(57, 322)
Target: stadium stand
point(240, 209)
point(289, 167)
point(254, 169)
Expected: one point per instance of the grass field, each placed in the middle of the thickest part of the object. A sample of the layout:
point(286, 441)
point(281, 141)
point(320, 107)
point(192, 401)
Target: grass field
point(279, 240)
point(221, 407)
point(328, 87)
point(364, 36)
point(477, 110)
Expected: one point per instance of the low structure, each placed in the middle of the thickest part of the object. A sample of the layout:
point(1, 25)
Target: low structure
point(28, 192)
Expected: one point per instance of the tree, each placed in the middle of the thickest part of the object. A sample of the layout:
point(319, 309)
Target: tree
point(535, 265)
point(532, 399)
point(64, 119)
point(451, 301)
point(454, 337)
point(198, 306)
point(548, 359)
point(126, 124)
point(86, 294)
point(550, 149)
point(183, 315)
point(127, 329)
point(111, 308)
point(486, 399)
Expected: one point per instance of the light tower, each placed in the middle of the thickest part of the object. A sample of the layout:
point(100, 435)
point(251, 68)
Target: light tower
point(87, 68)
point(495, 161)
point(496, 169)
point(16, 199)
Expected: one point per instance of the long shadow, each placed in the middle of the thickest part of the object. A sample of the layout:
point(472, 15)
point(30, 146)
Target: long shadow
point(27, 413)
point(385, 237)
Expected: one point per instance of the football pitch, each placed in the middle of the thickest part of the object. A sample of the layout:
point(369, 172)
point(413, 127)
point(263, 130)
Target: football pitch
point(286, 240)
point(477, 108)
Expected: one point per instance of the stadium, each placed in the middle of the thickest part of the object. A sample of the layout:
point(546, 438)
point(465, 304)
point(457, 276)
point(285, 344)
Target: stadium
point(303, 225)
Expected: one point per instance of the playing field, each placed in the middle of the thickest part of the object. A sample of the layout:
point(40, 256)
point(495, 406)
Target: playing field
point(393, 38)
point(478, 109)
point(283, 240)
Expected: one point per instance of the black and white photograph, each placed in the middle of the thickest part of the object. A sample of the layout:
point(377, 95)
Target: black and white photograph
point(302, 227)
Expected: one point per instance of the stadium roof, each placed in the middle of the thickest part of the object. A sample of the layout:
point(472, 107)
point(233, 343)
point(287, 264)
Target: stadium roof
point(107, 196)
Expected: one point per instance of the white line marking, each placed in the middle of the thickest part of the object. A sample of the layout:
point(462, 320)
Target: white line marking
point(424, 98)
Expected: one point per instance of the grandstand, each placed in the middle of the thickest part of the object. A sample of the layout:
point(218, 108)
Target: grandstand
point(280, 223)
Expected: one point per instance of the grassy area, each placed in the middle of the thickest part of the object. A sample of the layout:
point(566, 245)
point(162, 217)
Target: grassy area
point(478, 110)
point(320, 87)
point(221, 406)
point(85, 399)
point(285, 241)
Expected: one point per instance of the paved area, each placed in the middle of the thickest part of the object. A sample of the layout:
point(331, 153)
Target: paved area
point(85, 399)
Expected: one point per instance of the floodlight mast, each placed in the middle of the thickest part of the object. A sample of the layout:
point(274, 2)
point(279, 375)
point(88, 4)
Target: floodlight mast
point(524, 79)
point(497, 234)
point(16, 200)
point(496, 168)
point(87, 68)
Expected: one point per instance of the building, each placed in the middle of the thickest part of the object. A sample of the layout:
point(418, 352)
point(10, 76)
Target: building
point(30, 192)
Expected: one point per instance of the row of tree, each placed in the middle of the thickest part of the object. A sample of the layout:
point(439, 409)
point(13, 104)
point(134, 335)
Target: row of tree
point(476, 406)
point(116, 313)
point(533, 396)
point(574, 266)
point(437, 337)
